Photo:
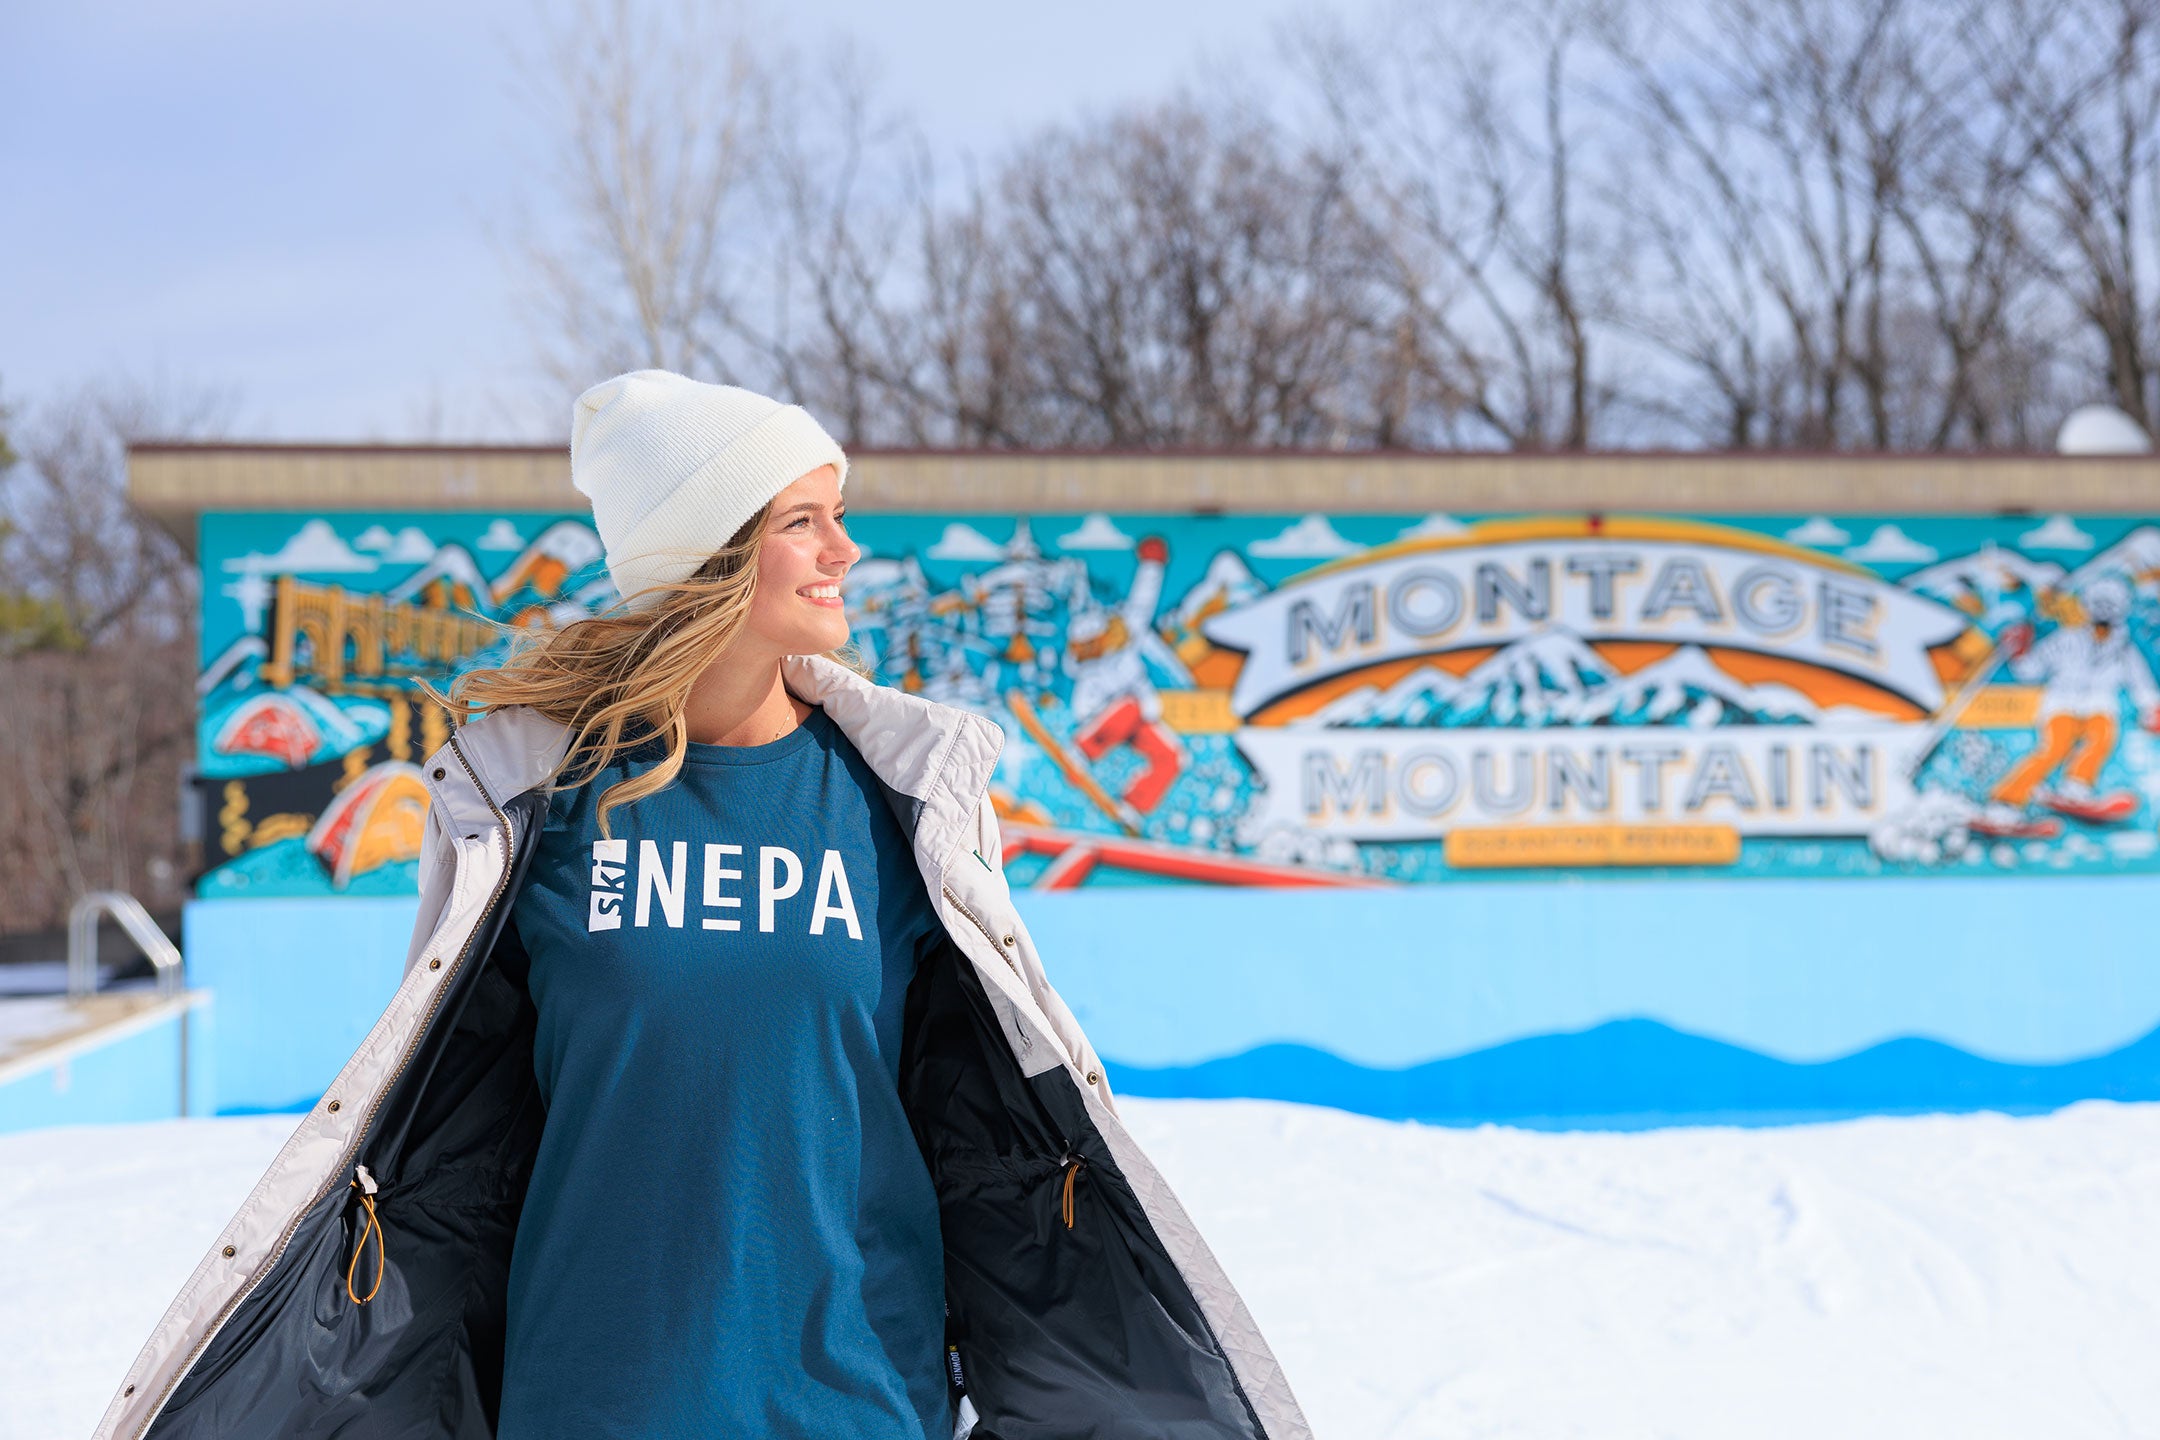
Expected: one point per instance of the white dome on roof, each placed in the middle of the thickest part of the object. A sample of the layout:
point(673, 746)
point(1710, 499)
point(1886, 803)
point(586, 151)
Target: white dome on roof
point(2101, 430)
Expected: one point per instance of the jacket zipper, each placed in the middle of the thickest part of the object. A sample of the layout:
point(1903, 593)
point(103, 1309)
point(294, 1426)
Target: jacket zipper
point(427, 1019)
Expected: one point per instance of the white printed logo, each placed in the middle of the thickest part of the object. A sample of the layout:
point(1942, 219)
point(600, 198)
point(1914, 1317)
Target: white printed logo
point(663, 879)
point(610, 858)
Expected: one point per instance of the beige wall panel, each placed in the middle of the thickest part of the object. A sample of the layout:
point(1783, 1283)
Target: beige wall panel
point(177, 482)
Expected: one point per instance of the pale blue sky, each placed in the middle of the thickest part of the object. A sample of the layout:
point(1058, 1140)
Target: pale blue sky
point(294, 203)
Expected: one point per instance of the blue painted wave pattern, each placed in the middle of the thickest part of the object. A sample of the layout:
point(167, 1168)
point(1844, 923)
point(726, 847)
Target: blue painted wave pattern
point(1639, 1074)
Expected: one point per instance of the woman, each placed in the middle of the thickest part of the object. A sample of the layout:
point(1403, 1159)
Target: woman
point(724, 1094)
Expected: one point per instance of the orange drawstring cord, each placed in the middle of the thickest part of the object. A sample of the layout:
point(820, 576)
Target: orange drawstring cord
point(1065, 1206)
point(365, 1184)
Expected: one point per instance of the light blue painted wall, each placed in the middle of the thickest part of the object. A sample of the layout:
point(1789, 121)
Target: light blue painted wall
point(136, 1077)
point(298, 984)
point(2032, 971)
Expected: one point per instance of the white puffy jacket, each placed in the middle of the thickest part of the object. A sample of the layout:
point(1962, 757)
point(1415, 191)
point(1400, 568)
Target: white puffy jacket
point(1083, 1303)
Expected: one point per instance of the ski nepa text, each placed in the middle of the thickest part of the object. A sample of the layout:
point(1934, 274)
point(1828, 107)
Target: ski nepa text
point(725, 893)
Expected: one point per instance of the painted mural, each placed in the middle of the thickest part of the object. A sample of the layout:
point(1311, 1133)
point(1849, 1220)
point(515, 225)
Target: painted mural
point(310, 731)
point(1337, 700)
point(1309, 700)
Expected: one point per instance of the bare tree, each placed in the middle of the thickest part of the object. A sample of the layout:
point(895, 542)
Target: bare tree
point(2079, 83)
point(1174, 275)
point(1184, 276)
point(1834, 216)
point(1470, 131)
point(1178, 275)
point(710, 228)
point(1980, 368)
point(1813, 223)
point(98, 657)
point(849, 189)
point(657, 114)
point(965, 382)
point(1778, 131)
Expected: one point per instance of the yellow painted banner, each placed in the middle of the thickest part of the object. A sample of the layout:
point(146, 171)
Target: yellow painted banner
point(1515, 846)
point(1199, 712)
point(2003, 707)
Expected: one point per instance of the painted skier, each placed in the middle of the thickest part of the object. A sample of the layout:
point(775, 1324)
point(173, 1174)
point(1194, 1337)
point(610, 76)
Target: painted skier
point(2084, 668)
point(1107, 652)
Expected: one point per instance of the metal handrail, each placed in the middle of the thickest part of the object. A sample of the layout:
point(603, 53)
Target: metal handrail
point(83, 917)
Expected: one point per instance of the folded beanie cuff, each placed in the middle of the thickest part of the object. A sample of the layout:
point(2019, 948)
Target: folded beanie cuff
point(703, 512)
point(787, 443)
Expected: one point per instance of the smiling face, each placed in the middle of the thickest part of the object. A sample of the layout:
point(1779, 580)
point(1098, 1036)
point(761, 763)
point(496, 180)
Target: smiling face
point(805, 550)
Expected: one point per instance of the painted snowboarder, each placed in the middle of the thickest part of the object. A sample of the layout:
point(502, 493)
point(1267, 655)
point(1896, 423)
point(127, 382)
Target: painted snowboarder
point(1113, 695)
point(2084, 668)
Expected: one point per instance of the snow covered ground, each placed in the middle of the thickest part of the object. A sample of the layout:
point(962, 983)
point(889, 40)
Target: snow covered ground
point(1976, 1276)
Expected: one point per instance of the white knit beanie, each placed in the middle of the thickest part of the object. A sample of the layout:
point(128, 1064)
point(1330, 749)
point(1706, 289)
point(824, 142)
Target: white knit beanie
point(674, 466)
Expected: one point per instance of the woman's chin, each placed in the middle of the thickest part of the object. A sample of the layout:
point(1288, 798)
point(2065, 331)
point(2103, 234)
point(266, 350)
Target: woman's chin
point(818, 639)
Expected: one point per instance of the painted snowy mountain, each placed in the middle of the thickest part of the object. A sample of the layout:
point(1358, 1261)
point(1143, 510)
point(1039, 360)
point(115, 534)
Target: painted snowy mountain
point(547, 564)
point(236, 662)
point(1227, 584)
point(1687, 687)
point(1549, 678)
point(1553, 678)
point(1420, 698)
point(1983, 576)
point(1027, 581)
point(2135, 557)
point(454, 567)
point(586, 601)
point(572, 542)
point(878, 582)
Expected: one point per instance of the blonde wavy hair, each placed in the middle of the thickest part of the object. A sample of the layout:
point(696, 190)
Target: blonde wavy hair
point(620, 678)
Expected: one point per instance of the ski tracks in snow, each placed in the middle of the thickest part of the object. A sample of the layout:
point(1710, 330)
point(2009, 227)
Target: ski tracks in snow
point(1971, 1275)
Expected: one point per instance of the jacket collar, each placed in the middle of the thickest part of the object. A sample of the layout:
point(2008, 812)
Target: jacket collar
point(938, 756)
